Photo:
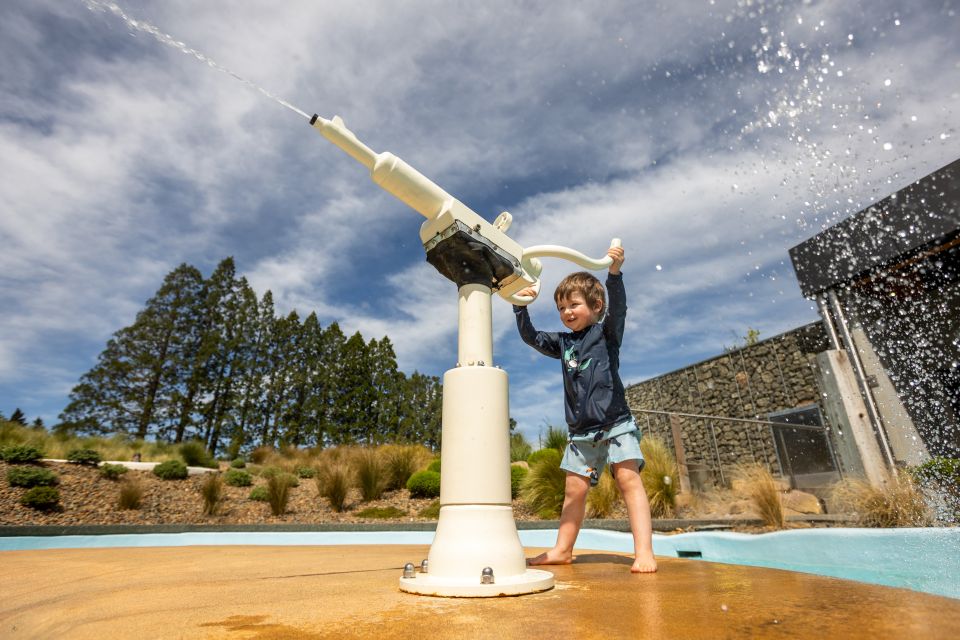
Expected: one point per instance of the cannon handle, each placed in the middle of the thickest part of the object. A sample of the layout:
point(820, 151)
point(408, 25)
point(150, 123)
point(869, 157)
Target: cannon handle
point(531, 264)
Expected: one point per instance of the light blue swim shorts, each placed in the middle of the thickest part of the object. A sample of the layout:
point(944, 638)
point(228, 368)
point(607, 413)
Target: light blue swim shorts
point(587, 454)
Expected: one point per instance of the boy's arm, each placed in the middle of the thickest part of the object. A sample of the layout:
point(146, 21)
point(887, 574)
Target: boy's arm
point(546, 343)
point(616, 318)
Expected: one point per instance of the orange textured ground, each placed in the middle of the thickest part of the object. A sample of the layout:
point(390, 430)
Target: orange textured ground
point(243, 592)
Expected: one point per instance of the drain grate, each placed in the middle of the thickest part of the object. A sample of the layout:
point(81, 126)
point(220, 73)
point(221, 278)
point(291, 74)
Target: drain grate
point(689, 554)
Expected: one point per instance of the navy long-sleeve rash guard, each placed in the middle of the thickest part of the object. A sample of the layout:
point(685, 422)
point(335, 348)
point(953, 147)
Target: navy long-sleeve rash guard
point(590, 361)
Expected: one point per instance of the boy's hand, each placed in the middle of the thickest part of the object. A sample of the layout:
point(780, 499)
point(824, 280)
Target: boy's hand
point(616, 254)
point(529, 292)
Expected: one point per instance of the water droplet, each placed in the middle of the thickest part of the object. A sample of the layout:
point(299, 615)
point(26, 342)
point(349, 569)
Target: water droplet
point(887, 82)
point(887, 146)
point(659, 268)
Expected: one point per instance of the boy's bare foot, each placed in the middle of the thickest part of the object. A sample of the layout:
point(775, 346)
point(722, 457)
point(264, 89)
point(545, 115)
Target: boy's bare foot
point(644, 563)
point(550, 557)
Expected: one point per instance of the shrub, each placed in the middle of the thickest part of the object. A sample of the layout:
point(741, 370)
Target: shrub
point(238, 478)
point(434, 465)
point(517, 476)
point(371, 475)
point(112, 471)
point(941, 479)
point(306, 472)
point(603, 498)
point(556, 438)
point(170, 470)
point(269, 472)
point(278, 492)
point(431, 511)
point(659, 475)
point(31, 477)
point(545, 484)
point(520, 449)
point(41, 498)
point(333, 483)
point(898, 504)
point(238, 463)
point(88, 457)
point(21, 454)
point(260, 494)
point(382, 513)
point(764, 491)
point(212, 492)
point(424, 484)
point(131, 495)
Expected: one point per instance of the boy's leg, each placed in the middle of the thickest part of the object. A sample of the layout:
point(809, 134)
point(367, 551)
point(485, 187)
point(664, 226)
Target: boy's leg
point(571, 518)
point(627, 474)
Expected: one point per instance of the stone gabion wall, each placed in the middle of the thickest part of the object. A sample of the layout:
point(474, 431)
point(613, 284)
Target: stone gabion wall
point(773, 375)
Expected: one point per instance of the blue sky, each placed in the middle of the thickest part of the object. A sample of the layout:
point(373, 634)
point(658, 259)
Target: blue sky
point(710, 135)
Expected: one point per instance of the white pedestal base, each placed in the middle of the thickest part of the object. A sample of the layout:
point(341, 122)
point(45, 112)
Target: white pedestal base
point(530, 581)
point(469, 539)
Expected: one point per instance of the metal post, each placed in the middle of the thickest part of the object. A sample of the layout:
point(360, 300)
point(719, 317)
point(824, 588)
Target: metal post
point(828, 324)
point(716, 449)
point(861, 377)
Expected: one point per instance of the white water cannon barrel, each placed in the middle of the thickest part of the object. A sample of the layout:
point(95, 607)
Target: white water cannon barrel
point(387, 170)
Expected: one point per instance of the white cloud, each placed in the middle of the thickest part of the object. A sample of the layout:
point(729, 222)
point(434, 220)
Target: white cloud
point(122, 158)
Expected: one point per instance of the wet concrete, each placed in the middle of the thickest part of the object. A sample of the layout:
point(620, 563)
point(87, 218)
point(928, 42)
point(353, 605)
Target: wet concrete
point(247, 592)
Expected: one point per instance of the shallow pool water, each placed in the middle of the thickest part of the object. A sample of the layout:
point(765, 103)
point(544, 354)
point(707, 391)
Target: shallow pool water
point(920, 559)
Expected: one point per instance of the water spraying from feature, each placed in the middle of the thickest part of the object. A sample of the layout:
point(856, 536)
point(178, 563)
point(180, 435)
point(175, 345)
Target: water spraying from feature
point(170, 41)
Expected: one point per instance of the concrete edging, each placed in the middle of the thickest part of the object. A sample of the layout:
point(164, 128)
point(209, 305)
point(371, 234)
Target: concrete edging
point(606, 524)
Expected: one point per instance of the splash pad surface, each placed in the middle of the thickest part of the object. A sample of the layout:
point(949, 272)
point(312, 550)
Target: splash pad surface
point(318, 592)
point(920, 559)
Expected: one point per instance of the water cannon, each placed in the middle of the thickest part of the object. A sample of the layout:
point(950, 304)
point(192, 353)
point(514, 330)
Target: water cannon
point(461, 244)
point(476, 551)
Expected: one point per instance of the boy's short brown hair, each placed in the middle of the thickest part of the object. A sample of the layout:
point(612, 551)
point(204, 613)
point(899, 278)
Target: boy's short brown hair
point(587, 285)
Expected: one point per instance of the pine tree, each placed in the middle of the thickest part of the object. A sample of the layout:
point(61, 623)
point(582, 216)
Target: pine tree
point(280, 353)
point(387, 384)
point(134, 384)
point(354, 393)
point(232, 306)
point(252, 377)
point(18, 417)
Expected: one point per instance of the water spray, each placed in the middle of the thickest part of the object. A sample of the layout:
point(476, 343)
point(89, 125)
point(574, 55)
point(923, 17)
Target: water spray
point(476, 551)
point(170, 41)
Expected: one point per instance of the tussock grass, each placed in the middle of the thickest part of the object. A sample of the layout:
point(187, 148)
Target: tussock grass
point(660, 476)
point(759, 485)
point(402, 461)
point(899, 504)
point(278, 492)
point(519, 447)
point(603, 498)
point(544, 486)
point(59, 446)
point(371, 474)
point(212, 492)
point(556, 438)
point(333, 483)
point(131, 494)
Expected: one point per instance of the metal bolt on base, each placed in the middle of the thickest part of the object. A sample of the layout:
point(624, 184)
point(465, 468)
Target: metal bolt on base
point(408, 571)
point(486, 576)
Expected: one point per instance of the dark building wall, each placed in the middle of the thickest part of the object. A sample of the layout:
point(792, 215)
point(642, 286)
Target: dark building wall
point(769, 377)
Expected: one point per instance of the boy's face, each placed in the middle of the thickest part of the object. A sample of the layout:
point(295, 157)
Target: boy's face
point(576, 314)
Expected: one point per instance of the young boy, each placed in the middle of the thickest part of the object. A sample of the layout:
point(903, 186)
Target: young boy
point(600, 424)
